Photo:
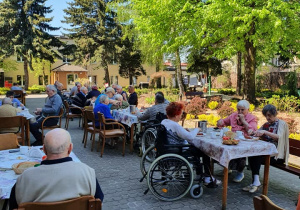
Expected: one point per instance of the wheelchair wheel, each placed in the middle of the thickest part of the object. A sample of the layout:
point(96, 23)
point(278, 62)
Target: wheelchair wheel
point(196, 191)
point(147, 158)
point(170, 177)
point(148, 138)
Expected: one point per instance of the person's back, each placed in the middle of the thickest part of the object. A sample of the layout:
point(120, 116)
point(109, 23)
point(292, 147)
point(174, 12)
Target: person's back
point(7, 110)
point(151, 112)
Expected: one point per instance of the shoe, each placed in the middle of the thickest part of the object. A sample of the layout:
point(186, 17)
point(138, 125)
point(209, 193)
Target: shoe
point(239, 177)
point(251, 188)
point(207, 181)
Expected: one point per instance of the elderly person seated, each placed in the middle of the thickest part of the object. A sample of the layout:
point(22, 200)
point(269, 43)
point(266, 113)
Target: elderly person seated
point(243, 121)
point(166, 101)
point(11, 94)
point(7, 110)
point(275, 131)
point(122, 92)
point(122, 105)
point(58, 178)
point(80, 100)
point(133, 99)
point(176, 134)
point(110, 92)
point(74, 89)
point(103, 108)
point(94, 92)
point(150, 113)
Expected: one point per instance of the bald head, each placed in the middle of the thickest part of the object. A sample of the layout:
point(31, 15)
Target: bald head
point(58, 142)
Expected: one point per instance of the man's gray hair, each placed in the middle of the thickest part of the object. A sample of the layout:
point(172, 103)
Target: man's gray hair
point(130, 86)
point(83, 88)
point(243, 103)
point(7, 101)
point(76, 83)
point(58, 84)
point(60, 143)
point(103, 98)
point(118, 86)
point(52, 87)
point(118, 96)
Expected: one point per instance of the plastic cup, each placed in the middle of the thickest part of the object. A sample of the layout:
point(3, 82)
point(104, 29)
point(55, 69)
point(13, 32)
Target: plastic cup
point(23, 150)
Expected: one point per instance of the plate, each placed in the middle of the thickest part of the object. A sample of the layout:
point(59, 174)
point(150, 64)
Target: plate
point(253, 138)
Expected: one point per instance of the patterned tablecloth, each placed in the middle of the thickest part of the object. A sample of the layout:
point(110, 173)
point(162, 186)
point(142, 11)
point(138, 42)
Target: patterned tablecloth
point(125, 117)
point(7, 176)
point(214, 148)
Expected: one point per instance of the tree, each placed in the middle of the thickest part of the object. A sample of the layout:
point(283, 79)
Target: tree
point(23, 31)
point(130, 61)
point(41, 66)
point(95, 32)
point(200, 61)
point(257, 28)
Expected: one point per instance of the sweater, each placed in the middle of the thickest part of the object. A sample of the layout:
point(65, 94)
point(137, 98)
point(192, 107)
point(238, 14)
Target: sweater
point(150, 113)
point(55, 182)
point(283, 141)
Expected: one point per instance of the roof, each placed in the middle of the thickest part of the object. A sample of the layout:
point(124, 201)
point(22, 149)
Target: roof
point(68, 67)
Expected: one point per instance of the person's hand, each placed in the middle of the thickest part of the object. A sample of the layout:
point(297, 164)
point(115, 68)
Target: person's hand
point(259, 133)
point(21, 105)
point(250, 132)
point(241, 118)
point(220, 123)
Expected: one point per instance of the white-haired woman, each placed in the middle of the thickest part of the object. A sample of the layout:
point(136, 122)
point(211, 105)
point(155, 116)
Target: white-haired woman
point(120, 91)
point(241, 120)
point(123, 104)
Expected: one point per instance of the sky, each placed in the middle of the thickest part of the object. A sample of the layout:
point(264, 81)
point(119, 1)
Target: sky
point(58, 14)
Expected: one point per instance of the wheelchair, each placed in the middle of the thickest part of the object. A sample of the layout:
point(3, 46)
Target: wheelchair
point(171, 174)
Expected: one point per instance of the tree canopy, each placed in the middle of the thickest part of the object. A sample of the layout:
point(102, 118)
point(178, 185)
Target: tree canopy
point(24, 32)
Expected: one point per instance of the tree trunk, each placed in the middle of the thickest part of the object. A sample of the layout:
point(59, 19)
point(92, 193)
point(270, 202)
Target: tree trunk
point(25, 64)
point(239, 74)
point(106, 77)
point(179, 73)
point(250, 63)
point(158, 81)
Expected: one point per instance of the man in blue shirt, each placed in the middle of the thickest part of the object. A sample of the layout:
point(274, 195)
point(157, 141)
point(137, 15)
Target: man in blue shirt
point(15, 86)
point(10, 94)
point(103, 108)
point(51, 108)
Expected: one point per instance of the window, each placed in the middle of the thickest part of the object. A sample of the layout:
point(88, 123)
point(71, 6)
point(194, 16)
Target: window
point(116, 80)
point(66, 58)
point(71, 78)
point(41, 80)
point(93, 80)
point(111, 79)
point(19, 58)
point(134, 80)
point(148, 78)
point(21, 80)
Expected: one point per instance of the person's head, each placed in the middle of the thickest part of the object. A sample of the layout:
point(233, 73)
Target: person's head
point(270, 112)
point(57, 144)
point(119, 89)
point(110, 92)
point(161, 93)
point(76, 83)
point(119, 97)
point(131, 89)
point(79, 86)
point(59, 85)
point(159, 99)
point(16, 84)
point(10, 94)
point(114, 86)
point(174, 111)
point(51, 90)
point(7, 101)
point(84, 90)
point(104, 99)
point(243, 107)
point(94, 87)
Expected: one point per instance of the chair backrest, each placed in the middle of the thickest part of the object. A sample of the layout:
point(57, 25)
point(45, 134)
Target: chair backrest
point(264, 203)
point(8, 141)
point(66, 104)
point(17, 122)
point(160, 117)
point(19, 94)
point(81, 203)
point(161, 139)
point(61, 112)
point(89, 117)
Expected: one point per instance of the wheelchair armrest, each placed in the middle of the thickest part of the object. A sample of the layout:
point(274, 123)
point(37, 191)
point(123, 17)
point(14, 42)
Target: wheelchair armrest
point(177, 145)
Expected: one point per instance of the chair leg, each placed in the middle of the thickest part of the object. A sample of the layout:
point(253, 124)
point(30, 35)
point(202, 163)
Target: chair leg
point(124, 142)
point(79, 121)
point(99, 143)
point(93, 141)
point(103, 144)
point(67, 123)
point(85, 135)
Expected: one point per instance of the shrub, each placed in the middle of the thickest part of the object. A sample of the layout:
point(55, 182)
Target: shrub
point(227, 91)
point(217, 99)
point(196, 106)
point(150, 100)
point(292, 124)
point(213, 105)
point(211, 119)
point(286, 103)
point(225, 110)
point(171, 98)
point(251, 108)
point(3, 90)
point(37, 89)
point(295, 136)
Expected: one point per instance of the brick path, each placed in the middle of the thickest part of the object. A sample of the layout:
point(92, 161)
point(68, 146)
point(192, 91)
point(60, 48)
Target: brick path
point(119, 179)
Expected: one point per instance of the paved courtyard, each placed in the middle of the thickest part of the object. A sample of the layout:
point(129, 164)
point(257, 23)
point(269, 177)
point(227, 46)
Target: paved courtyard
point(119, 179)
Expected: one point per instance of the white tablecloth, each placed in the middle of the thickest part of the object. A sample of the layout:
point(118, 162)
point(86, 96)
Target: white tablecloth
point(224, 153)
point(25, 113)
point(125, 117)
point(8, 177)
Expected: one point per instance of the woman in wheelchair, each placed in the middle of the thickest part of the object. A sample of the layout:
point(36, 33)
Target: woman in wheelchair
point(176, 134)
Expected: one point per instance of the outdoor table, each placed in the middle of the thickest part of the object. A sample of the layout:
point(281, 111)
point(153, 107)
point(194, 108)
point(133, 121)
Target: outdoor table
point(25, 113)
point(214, 148)
point(126, 118)
point(7, 176)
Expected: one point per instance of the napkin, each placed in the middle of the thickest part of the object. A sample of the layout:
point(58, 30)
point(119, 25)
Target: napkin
point(35, 153)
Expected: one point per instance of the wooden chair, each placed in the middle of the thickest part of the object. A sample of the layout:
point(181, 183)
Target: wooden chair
point(17, 122)
point(264, 203)
point(69, 114)
point(81, 203)
point(106, 132)
point(89, 127)
point(8, 141)
point(298, 203)
point(20, 95)
point(53, 126)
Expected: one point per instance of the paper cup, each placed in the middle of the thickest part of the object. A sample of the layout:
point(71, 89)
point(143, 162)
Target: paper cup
point(23, 150)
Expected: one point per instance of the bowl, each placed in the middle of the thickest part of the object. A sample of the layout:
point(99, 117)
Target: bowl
point(19, 168)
